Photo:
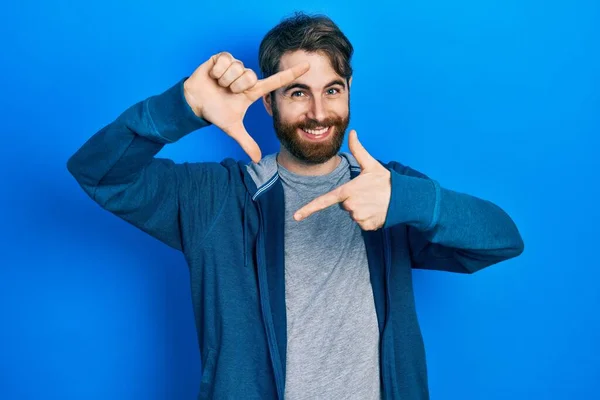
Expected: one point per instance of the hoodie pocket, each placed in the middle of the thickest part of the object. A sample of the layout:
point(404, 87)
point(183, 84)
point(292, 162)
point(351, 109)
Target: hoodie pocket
point(208, 371)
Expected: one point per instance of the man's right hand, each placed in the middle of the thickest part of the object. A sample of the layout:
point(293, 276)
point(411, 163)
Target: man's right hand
point(221, 90)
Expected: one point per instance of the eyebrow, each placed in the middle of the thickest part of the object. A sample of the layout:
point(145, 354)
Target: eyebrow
point(306, 87)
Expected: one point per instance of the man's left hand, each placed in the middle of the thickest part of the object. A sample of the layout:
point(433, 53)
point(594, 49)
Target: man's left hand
point(366, 197)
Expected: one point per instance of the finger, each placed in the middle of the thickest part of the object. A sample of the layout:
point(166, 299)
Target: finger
point(274, 82)
point(234, 71)
point(244, 82)
point(346, 205)
point(320, 203)
point(222, 61)
point(247, 143)
point(365, 160)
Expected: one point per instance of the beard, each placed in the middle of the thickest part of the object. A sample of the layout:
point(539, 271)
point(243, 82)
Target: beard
point(301, 148)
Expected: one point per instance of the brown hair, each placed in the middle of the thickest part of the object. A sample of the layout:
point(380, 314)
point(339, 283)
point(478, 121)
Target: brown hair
point(316, 33)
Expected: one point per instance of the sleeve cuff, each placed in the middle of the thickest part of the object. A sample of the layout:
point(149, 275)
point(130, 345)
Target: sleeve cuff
point(414, 201)
point(170, 115)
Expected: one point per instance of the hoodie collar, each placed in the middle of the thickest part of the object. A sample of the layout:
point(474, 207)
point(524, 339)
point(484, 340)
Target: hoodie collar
point(260, 177)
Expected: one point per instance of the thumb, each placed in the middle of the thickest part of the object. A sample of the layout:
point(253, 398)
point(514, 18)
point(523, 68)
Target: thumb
point(247, 143)
point(365, 160)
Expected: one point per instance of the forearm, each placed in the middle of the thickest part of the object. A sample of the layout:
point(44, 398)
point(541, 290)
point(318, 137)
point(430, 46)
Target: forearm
point(118, 152)
point(452, 219)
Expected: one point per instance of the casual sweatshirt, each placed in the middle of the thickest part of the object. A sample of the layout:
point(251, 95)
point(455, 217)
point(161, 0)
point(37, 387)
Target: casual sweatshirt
point(228, 220)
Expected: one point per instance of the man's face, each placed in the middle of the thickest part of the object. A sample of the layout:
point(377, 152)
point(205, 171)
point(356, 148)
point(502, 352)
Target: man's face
point(311, 115)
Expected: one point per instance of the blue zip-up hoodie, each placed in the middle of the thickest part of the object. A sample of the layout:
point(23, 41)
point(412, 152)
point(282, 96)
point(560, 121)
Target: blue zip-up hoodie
point(227, 219)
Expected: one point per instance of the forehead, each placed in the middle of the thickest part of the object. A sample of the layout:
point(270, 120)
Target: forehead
point(320, 73)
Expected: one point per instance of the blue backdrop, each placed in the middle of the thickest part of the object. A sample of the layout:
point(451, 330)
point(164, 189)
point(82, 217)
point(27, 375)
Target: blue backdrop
point(497, 98)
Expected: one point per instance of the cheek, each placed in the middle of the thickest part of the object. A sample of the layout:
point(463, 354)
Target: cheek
point(292, 113)
point(339, 107)
point(342, 107)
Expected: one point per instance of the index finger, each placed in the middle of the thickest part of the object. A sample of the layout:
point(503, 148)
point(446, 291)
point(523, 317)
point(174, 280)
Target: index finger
point(280, 79)
point(320, 203)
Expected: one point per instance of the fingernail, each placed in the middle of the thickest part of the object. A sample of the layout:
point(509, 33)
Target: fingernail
point(297, 216)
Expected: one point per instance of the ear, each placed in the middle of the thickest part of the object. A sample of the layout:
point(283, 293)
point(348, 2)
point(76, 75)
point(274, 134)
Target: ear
point(267, 103)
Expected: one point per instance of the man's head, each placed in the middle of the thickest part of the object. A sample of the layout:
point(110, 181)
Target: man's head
point(318, 99)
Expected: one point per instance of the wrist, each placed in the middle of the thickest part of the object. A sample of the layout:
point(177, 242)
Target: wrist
point(191, 100)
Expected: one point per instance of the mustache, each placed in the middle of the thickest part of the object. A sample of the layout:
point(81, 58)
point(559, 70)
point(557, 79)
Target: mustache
point(313, 124)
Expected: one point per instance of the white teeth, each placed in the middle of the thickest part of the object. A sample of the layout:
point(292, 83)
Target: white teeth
point(316, 132)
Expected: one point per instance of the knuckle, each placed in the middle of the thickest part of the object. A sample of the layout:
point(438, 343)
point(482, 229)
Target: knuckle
point(230, 75)
point(252, 78)
point(367, 225)
point(222, 63)
point(237, 66)
point(360, 215)
point(243, 82)
point(227, 56)
point(235, 70)
point(218, 70)
point(223, 81)
point(348, 206)
point(236, 87)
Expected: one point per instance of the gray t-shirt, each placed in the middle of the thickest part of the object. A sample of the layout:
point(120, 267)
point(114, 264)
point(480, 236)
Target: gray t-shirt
point(332, 331)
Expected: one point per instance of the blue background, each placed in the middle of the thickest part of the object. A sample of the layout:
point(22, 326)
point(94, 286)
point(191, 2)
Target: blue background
point(499, 99)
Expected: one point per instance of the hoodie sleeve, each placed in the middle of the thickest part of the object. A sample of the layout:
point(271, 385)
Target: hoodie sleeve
point(118, 169)
point(448, 230)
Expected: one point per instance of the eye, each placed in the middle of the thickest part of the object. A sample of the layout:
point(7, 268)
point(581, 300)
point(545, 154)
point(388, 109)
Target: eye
point(333, 91)
point(297, 92)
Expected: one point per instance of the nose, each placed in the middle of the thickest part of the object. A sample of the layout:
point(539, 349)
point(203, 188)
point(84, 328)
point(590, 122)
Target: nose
point(317, 109)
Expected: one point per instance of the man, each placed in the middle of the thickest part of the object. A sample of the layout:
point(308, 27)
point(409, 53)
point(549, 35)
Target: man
point(300, 262)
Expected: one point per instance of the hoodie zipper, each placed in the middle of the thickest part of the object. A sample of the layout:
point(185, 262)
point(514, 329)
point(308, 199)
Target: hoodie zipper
point(387, 263)
point(266, 308)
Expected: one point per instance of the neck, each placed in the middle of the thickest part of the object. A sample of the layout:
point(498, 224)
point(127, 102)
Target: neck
point(292, 164)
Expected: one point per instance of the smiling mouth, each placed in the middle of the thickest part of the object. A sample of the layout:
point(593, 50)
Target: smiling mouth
point(319, 133)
